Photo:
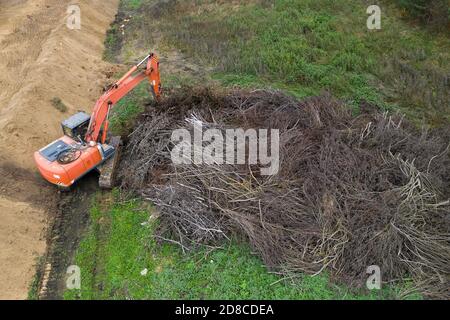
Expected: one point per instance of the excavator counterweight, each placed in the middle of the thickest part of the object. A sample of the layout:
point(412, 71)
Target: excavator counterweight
point(86, 145)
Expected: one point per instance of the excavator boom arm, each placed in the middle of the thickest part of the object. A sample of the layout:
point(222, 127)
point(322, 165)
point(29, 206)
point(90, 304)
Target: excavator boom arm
point(120, 89)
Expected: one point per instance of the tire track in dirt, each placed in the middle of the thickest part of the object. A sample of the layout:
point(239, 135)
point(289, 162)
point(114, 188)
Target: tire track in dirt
point(40, 59)
point(65, 232)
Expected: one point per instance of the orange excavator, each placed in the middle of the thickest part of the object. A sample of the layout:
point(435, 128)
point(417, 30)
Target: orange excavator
point(86, 144)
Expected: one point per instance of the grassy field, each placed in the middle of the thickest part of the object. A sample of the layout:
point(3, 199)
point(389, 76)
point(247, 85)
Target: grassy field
point(305, 47)
point(300, 46)
point(128, 108)
point(119, 246)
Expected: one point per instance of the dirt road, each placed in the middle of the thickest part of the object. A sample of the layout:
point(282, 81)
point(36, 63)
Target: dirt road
point(40, 58)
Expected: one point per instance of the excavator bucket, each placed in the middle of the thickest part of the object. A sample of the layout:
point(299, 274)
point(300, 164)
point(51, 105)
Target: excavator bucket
point(154, 76)
point(108, 168)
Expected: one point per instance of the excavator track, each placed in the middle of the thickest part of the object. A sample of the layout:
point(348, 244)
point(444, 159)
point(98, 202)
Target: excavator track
point(108, 168)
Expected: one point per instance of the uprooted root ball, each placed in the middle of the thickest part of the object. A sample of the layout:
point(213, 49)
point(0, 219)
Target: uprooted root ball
point(351, 191)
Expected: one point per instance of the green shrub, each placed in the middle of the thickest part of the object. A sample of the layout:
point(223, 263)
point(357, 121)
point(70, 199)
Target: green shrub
point(432, 12)
point(58, 104)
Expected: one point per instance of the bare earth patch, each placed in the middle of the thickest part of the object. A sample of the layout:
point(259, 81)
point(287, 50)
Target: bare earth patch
point(41, 58)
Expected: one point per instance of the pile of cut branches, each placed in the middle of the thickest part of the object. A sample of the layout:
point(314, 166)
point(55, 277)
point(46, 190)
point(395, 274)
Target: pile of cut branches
point(351, 192)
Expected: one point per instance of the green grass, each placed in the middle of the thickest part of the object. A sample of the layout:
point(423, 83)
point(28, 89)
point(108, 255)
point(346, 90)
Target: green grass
point(115, 39)
point(127, 109)
point(432, 13)
point(112, 43)
point(59, 104)
point(133, 4)
point(119, 245)
point(308, 46)
point(33, 290)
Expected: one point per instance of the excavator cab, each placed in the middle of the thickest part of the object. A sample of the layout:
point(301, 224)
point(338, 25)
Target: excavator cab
point(76, 126)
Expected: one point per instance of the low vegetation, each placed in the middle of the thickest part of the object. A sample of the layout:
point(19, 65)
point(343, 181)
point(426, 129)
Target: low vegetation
point(306, 47)
point(58, 104)
point(434, 13)
point(126, 110)
point(120, 259)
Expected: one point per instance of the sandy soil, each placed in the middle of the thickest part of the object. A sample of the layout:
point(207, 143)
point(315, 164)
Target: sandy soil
point(40, 58)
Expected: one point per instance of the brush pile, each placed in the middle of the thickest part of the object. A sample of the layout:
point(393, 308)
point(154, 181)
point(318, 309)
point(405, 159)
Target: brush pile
point(351, 192)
